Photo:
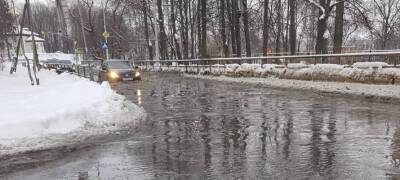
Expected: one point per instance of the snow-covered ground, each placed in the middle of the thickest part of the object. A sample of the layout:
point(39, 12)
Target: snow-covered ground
point(63, 110)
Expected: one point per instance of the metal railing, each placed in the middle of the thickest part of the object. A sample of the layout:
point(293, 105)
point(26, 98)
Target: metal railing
point(87, 71)
point(329, 52)
point(392, 58)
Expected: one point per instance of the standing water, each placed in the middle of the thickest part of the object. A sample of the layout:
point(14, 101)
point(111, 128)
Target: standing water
point(202, 129)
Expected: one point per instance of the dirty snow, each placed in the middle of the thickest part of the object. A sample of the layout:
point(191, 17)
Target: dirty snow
point(64, 109)
point(361, 72)
point(370, 64)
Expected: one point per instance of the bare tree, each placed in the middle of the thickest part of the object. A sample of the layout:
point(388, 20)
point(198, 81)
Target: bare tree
point(162, 34)
point(246, 28)
point(325, 7)
point(223, 28)
point(292, 26)
point(338, 36)
point(265, 27)
point(388, 16)
point(203, 31)
point(6, 20)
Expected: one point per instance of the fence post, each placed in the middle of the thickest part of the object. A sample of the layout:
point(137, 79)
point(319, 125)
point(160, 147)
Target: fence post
point(84, 71)
point(210, 66)
point(91, 72)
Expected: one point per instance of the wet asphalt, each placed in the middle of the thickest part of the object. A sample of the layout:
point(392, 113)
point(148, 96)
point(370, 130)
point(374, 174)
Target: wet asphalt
point(202, 129)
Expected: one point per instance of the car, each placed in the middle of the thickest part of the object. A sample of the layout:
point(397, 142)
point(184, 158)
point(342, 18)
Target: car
point(118, 70)
point(60, 66)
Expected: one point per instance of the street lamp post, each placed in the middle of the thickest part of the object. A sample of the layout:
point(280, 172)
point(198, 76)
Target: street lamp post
point(105, 29)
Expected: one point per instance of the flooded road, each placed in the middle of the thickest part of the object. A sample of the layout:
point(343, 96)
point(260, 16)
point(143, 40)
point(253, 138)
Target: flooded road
point(201, 129)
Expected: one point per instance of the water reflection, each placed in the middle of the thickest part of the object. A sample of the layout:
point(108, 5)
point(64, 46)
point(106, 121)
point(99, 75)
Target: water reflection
point(198, 129)
point(139, 97)
point(223, 131)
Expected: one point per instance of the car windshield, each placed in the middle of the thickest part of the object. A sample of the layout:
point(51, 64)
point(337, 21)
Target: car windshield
point(119, 65)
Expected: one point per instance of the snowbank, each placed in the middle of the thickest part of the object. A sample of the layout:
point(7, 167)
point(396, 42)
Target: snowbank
point(63, 110)
point(366, 65)
point(362, 72)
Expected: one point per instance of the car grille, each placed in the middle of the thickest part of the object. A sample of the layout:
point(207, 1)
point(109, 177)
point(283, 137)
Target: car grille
point(127, 75)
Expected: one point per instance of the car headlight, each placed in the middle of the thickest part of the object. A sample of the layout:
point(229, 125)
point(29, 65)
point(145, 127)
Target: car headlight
point(137, 74)
point(113, 75)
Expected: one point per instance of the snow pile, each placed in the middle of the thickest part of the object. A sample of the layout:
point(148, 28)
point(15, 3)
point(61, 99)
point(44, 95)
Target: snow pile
point(297, 65)
point(366, 65)
point(365, 72)
point(63, 110)
point(269, 70)
point(231, 68)
point(247, 70)
point(217, 69)
point(317, 72)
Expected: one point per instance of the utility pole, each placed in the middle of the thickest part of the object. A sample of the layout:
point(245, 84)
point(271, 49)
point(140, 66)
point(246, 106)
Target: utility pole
point(35, 64)
point(62, 26)
point(82, 28)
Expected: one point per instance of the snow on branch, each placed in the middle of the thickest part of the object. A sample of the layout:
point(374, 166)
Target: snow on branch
point(325, 11)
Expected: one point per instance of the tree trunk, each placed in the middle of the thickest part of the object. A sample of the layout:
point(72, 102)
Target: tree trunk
point(146, 30)
point(231, 16)
point(163, 36)
point(223, 29)
point(266, 27)
point(203, 52)
point(236, 15)
point(246, 28)
point(287, 26)
point(174, 32)
point(279, 26)
point(338, 37)
point(199, 33)
point(321, 44)
point(183, 11)
point(192, 31)
point(292, 27)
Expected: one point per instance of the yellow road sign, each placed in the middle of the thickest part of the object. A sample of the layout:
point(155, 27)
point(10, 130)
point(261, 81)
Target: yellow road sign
point(106, 34)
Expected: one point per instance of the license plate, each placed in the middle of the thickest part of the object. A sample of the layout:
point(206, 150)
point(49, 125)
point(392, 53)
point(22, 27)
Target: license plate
point(127, 79)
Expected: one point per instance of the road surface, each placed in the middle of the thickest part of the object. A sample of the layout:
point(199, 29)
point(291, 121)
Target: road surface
point(201, 129)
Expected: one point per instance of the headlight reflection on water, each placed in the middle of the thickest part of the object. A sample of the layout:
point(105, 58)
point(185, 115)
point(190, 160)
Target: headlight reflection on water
point(139, 96)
